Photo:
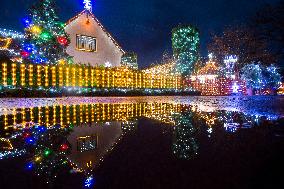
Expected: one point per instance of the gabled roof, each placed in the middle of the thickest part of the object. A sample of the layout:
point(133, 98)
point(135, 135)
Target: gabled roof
point(98, 22)
point(209, 69)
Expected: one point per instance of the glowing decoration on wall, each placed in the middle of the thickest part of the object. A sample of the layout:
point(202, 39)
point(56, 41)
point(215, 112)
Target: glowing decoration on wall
point(235, 87)
point(108, 65)
point(88, 5)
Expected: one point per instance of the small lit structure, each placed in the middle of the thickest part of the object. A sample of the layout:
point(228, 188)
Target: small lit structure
point(206, 80)
point(209, 80)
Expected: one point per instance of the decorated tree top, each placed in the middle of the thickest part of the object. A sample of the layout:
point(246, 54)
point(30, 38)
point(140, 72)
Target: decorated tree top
point(46, 39)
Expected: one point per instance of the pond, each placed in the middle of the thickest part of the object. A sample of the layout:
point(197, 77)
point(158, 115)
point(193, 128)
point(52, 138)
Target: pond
point(142, 142)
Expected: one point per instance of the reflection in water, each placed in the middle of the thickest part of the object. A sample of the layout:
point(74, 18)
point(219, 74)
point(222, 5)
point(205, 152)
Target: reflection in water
point(79, 136)
point(46, 149)
point(184, 145)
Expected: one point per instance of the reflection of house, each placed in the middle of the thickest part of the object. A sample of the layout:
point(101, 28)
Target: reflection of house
point(91, 144)
point(91, 43)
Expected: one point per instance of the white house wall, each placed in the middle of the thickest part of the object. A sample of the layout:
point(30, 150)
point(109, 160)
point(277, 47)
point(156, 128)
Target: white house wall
point(107, 50)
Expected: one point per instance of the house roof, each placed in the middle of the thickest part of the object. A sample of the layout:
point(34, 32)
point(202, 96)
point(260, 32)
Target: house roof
point(209, 69)
point(99, 23)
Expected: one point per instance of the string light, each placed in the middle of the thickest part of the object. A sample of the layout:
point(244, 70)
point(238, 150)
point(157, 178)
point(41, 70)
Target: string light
point(12, 34)
point(88, 5)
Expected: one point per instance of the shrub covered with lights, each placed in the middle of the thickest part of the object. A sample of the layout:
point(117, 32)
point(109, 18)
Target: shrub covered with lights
point(129, 60)
point(185, 44)
point(45, 37)
point(260, 77)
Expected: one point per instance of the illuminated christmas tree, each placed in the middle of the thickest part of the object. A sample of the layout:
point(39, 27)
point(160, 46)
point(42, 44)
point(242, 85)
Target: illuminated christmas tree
point(185, 44)
point(46, 40)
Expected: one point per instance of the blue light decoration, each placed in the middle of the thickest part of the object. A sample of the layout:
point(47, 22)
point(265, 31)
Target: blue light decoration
point(28, 47)
point(30, 140)
point(27, 22)
point(40, 60)
point(30, 165)
point(89, 182)
point(41, 129)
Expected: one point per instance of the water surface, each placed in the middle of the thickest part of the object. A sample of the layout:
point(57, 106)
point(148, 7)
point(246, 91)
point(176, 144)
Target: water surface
point(142, 142)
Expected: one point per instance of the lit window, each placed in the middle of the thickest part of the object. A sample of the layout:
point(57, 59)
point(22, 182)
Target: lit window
point(86, 43)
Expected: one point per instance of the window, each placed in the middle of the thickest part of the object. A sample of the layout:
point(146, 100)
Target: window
point(87, 143)
point(86, 43)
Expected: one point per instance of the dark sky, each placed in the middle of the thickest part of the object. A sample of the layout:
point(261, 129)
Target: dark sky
point(144, 26)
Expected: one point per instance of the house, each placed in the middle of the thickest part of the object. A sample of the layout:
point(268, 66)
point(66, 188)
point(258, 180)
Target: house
point(91, 43)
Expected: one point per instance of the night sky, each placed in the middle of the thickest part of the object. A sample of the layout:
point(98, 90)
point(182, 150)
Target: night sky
point(144, 26)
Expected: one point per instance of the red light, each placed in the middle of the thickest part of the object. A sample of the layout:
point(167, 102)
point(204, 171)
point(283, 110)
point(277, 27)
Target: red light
point(24, 54)
point(64, 147)
point(62, 40)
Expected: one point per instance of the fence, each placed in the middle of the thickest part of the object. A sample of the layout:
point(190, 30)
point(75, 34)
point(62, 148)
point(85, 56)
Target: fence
point(19, 75)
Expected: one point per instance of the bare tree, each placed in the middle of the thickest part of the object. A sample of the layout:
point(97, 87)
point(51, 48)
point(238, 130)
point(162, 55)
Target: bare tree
point(240, 41)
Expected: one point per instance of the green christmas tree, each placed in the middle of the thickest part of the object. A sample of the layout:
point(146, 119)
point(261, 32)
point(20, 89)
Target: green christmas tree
point(185, 44)
point(46, 39)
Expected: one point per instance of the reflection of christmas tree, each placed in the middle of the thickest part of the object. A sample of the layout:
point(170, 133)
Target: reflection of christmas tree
point(184, 145)
point(46, 39)
point(48, 149)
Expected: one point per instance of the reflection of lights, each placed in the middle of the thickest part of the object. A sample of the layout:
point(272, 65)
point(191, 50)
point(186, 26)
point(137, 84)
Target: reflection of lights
point(8, 143)
point(10, 154)
point(30, 140)
point(235, 87)
point(231, 127)
point(29, 165)
point(89, 182)
point(210, 130)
